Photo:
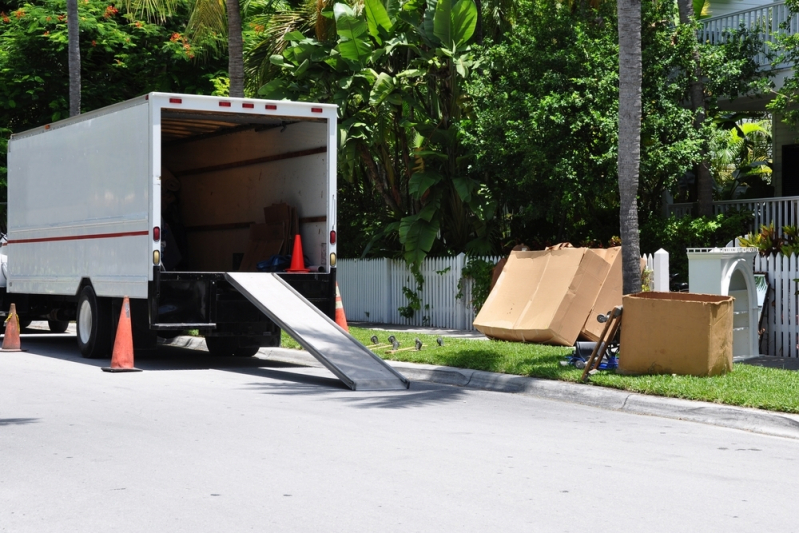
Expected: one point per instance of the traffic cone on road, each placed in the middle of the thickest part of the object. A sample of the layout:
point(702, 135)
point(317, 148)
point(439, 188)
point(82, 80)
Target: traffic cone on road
point(297, 262)
point(341, 318)
point(122, 357)
point(11, 338)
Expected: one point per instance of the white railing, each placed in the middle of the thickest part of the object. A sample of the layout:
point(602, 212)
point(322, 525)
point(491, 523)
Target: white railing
point(783, 211)
point(766, 21)
point(372, 291)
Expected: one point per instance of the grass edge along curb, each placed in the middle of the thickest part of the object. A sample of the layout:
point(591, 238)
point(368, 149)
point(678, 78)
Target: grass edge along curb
point(746, 386)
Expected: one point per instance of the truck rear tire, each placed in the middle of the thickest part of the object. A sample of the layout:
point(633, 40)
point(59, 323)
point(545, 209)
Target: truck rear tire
point(94, 324)
point(231, 346)
point(58, 326)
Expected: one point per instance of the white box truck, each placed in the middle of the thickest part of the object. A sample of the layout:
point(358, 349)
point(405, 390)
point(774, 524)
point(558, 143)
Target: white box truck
point(154, 199)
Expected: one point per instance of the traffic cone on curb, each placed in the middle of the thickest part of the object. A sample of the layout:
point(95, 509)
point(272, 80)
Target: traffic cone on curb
point(11, 338)
point(297, 262)
point(122, 357)
point(341, 318)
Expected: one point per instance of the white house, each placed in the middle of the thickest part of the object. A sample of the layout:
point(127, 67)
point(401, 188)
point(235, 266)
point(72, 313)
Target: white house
point(765, 17)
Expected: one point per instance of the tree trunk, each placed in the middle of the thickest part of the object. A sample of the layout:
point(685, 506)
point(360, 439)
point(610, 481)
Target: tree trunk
point(73, 56)
point(704, 180)
point(235, 49)
point(629, 12)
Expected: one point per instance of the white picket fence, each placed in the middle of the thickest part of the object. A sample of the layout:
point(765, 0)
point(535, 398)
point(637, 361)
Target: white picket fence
point(372, 291)
point(779, 322)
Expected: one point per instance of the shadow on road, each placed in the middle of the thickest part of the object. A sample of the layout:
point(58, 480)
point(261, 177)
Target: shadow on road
point(17, 421)
point(419, 394)
point(172, 358)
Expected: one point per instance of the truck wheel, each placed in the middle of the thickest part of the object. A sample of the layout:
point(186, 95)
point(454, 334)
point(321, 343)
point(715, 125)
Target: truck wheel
point(58, 326)
point(94, 324)
point(231, 346)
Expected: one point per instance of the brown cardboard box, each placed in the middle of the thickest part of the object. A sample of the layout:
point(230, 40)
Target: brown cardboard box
point(543, 296)
point(609, 295)
point(266, 240)
point(676, 333)
point(287, 215)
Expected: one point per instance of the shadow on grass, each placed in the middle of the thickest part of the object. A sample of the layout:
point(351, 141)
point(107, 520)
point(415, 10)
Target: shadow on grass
point(539, 365)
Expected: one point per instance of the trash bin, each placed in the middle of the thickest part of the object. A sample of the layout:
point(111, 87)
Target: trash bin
point(676, 333)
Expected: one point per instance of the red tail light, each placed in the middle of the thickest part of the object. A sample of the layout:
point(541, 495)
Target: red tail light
point(332, 236)
point(248, 106)
point(316, 110)
point(156, 234)
point(224, 104)
point(271, 107)
point(176, 100)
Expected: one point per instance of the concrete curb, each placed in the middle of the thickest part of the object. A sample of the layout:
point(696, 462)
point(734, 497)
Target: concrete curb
point(754, 420)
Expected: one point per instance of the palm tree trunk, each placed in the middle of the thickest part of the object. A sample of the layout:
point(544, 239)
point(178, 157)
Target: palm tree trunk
point(629, 13)
point(704, 180)
point(73, 55)
point(235, 49)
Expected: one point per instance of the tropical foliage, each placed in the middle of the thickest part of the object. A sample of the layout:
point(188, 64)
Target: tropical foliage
point(464, 125)
point(397, 73)
point(122, 57)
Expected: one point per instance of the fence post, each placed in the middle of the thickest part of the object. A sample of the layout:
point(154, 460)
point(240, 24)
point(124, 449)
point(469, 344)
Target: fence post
point(661, 271)
point(463, 319)
point(387, 301)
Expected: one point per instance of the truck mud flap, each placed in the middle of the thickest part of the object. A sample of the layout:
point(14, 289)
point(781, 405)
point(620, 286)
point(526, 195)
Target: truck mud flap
point(337, 350)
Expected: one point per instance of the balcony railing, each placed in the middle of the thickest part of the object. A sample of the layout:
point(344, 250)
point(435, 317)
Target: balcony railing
point(782, 211)
point(765, 21)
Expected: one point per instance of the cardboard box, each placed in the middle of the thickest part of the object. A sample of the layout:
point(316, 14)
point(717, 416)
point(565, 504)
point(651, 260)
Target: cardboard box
point(287, 215)
point(265, 241)
point(543, 296)
point(609, 295)
point(676, 333)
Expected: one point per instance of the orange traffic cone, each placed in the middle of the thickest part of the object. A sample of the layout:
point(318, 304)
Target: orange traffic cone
point(11, 338)
point(297, 262)
point(341, 318)
point(122, 358)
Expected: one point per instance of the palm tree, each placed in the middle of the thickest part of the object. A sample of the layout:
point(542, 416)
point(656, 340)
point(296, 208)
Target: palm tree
point(73, 55)
point(629, 14)
point(223, 17)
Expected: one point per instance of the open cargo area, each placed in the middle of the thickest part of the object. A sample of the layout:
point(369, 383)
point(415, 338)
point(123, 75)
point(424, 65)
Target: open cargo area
point(221, 172)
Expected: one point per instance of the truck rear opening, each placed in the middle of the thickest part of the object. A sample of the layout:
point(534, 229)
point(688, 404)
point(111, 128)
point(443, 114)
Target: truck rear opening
point(220, 171)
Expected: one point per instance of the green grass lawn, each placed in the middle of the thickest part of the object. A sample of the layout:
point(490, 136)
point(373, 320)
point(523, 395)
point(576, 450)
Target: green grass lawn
point(748, 386)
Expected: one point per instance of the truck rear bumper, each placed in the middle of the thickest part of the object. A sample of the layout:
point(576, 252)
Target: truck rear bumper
point(208, 302)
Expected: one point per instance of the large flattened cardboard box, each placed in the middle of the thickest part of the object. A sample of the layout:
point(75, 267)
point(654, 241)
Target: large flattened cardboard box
point(543, 296)
point(676, 333)
point(609, 295)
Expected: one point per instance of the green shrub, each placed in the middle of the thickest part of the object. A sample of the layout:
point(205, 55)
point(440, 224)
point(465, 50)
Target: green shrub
point(676, 234)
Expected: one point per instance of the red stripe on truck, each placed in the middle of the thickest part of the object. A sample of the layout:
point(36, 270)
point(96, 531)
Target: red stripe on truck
point(81, 237)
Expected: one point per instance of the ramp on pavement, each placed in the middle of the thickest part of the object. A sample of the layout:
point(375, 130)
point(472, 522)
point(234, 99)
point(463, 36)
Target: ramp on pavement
point(340, 352)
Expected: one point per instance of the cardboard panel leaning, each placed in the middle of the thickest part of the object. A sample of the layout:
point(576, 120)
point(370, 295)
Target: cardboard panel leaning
point(544, 296)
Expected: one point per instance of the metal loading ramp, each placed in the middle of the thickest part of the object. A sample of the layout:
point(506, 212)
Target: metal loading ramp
point(339, 351)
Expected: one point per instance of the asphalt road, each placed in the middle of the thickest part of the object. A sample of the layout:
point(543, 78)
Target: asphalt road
point(196, 443)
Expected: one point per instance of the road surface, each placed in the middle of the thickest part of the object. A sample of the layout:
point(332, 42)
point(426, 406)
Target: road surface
point(196, 443)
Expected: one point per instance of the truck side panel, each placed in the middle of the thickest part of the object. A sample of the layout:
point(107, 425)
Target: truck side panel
point(91, 219)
